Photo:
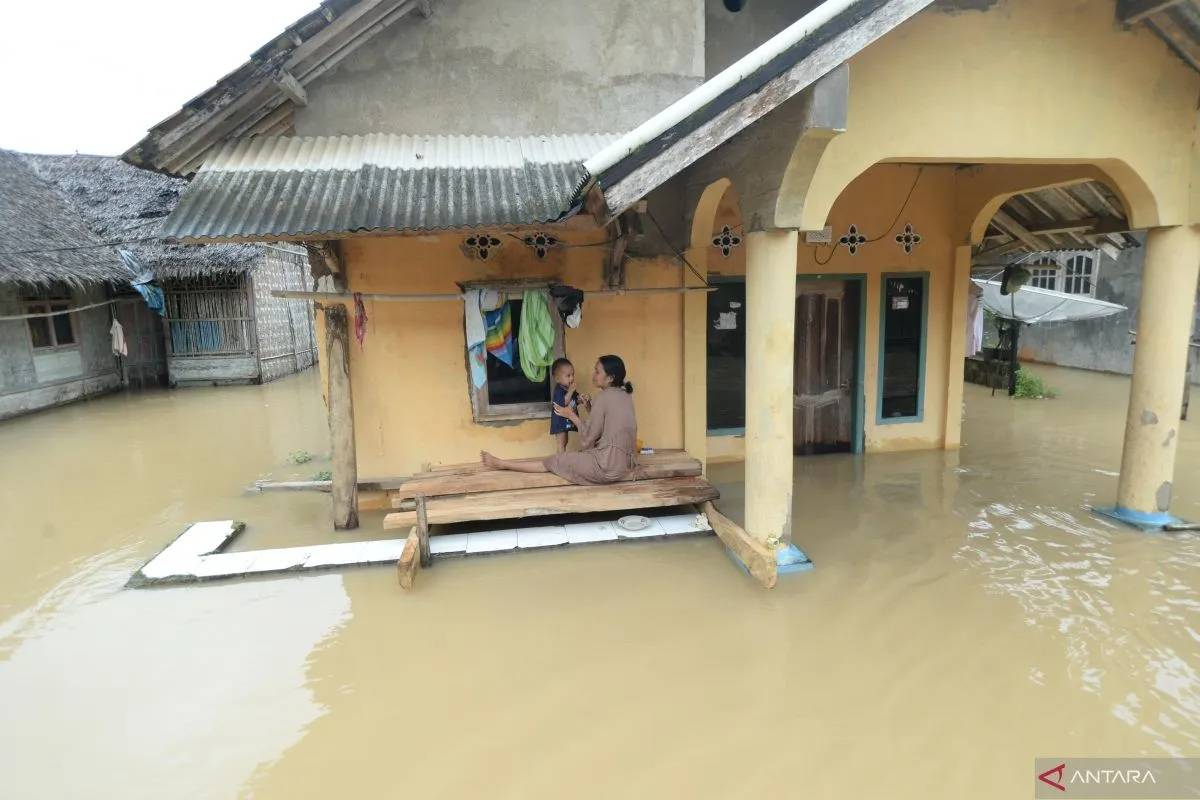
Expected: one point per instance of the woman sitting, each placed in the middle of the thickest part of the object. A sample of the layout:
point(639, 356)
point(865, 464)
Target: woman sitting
point(608, 448)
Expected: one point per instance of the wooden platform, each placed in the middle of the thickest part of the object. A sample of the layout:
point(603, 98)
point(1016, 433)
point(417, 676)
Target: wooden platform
point(567, 499)
point(475, 493)
point(473, 478)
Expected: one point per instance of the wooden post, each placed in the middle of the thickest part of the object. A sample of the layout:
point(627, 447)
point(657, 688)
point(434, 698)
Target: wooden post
point(410, 560)
point(423, 532)
point(341, 418)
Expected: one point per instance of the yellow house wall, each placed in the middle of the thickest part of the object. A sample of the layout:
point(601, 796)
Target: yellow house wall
point(410, 382)
point(872, 202)
point(1025, 81)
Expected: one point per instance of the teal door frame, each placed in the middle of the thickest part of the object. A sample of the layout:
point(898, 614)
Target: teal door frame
point(920, 415)
point(858, 397)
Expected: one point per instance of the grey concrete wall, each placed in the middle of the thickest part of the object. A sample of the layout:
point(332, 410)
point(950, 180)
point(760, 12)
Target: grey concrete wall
point(509, 67)
point(730, 35)
point(20, 390)
point(1102, 344)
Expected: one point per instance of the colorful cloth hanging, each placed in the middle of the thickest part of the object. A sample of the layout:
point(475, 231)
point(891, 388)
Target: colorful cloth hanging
point(535, 340)
point(499, 333)
point(476, 336)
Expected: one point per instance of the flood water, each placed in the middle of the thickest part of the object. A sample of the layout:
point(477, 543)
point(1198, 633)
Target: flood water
point(966, 614)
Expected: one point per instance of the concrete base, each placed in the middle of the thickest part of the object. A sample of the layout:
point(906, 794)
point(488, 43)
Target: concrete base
point(790, 559)
point(1137, 519)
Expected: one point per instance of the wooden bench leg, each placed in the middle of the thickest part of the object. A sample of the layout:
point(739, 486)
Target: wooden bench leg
point(758, 558)
point(423, 532)
point(410, 560)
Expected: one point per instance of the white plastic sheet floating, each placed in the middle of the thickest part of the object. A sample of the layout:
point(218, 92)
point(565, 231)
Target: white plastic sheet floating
point(1032, 305)
point(195, 554)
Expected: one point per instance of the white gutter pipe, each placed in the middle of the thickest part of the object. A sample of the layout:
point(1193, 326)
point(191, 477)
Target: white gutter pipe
point(713, 88)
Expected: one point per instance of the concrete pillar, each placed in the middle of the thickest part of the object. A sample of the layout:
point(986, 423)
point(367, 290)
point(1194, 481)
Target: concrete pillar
point(770, 358)
point(952, 434)
point(1159, 362)
point(695, 363)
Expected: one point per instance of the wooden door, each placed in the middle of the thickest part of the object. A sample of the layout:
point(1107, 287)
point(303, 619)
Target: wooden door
point(826, 373)
point(146, 364)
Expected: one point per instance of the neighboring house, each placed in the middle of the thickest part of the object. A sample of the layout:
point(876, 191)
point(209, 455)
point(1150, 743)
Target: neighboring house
point(222, 323)
point(50, 262)
point(1103, 344)
point(834, 188)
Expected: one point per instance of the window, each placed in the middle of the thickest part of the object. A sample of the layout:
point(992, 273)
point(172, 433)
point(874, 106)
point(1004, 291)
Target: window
point(507, 393)
point(727, 357)
point(1044, 277)
point(1078, 276)
point(50, 332)
point(902, 347)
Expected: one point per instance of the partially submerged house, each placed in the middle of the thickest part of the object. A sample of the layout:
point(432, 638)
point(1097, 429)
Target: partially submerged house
point(50, 264)
point(807, 182)
point(222, 324)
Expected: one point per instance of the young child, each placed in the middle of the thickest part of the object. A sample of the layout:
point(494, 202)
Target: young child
point(563, 373)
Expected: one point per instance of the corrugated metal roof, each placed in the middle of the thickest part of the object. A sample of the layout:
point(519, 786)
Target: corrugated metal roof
point(290, 187)
point(1078, 216)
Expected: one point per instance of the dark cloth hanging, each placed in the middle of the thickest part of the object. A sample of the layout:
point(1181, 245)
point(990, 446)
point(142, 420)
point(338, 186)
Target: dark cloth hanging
point(567, 300)
point(360, 319)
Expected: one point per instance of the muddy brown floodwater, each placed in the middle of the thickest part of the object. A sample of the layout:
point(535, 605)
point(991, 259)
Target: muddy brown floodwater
point(966, 614)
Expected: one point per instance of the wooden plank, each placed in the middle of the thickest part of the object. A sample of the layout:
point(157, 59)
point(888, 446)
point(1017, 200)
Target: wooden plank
point(291, 88)
point(1131, 12)
point(423, 532)
point(755, 555)
point(410, 559)
point(472, 467)
point(559, 500)
point(341, 419)
point(504, 481)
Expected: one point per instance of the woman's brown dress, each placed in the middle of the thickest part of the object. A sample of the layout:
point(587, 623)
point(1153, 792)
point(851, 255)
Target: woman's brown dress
point(608, 451)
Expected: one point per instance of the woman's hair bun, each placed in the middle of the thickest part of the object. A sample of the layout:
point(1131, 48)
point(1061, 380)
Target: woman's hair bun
point(628, 387)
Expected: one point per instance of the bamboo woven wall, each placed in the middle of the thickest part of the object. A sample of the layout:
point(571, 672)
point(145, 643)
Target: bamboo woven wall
point(286, 335)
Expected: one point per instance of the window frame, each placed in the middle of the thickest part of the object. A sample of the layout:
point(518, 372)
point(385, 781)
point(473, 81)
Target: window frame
point(41, 306)
point(482, 409)
point(927, 286)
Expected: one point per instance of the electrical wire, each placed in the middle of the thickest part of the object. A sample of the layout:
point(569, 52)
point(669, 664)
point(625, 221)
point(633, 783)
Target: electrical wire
point(678, 254)
point(903, 208)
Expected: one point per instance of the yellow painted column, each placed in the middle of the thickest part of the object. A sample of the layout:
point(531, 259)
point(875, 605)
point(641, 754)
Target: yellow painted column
point(695, 364)
point(952, 436)
point(770, 358)
point(1160, 357)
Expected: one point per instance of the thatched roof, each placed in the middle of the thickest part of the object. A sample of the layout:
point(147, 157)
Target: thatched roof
point(120, 202)
point(33, 217)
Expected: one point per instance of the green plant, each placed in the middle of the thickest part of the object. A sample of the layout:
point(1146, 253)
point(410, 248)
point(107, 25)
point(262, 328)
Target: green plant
point(323, 475)
point(1031, 387)
point(300, 456)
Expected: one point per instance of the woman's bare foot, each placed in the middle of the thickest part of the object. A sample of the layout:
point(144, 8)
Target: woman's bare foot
point(489, 460)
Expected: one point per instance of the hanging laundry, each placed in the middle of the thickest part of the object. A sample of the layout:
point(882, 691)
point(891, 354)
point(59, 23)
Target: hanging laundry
point(535, 340)
point(499, 333)
point(360, 319)
point(575, 318)
point(974, 319)
point(476, 335)
point(491, 299)
point(119, 347)
point(568, 300)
